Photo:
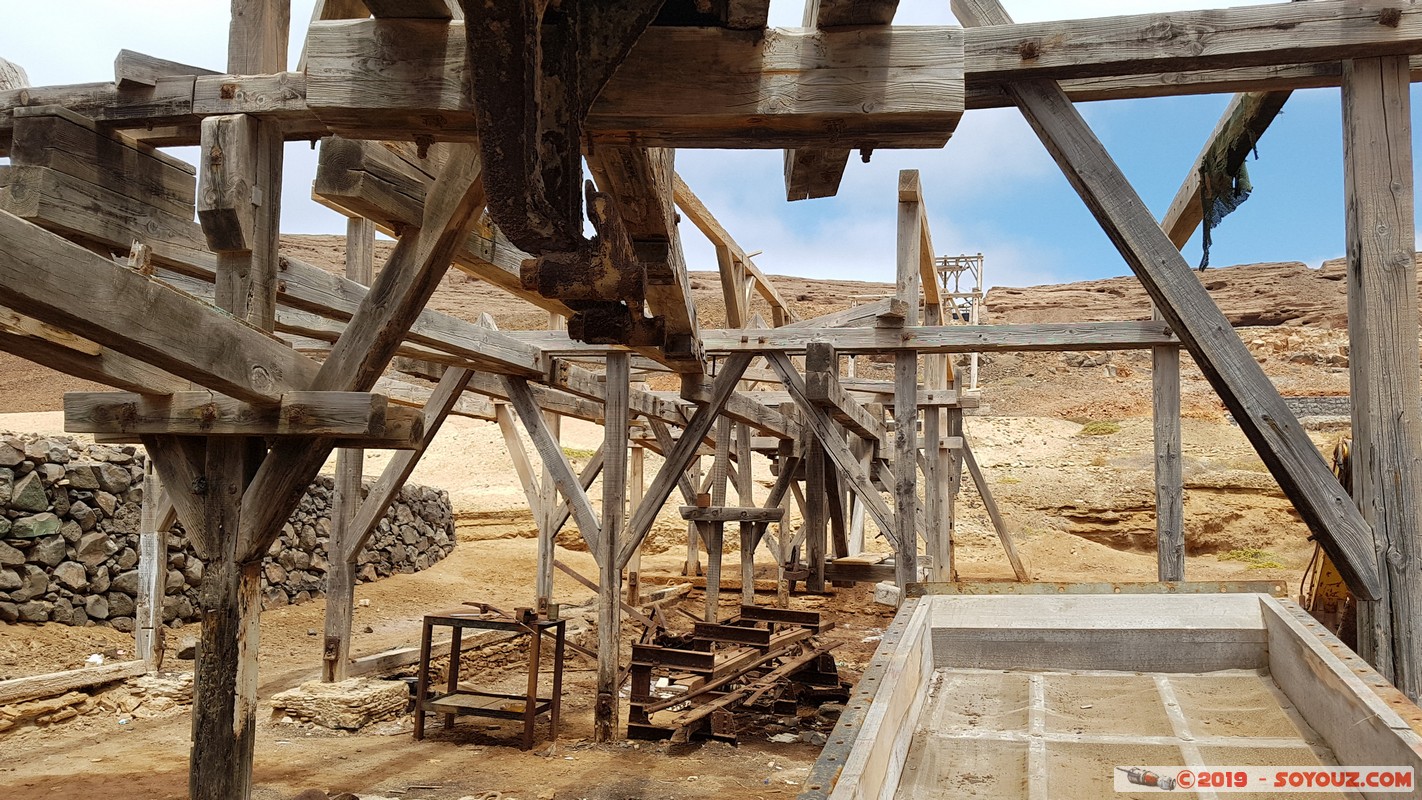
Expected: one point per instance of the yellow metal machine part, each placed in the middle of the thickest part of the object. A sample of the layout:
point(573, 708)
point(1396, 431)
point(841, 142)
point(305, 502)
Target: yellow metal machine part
point(1324, 593)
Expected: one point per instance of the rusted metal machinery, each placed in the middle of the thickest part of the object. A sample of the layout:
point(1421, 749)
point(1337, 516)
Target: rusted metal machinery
point(766, 659)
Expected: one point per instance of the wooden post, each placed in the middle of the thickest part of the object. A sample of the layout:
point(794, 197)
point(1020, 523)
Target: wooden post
point(350, 474)
point(746, 496)
point(692, 567)
point(548, 508)
point(816, 513)
point(614, 508)
point(155, 519)
point(639, 488)
point(225, 681)
point(1169, 477)
point(909, 290)
point(711, 533)
point(1382, 334)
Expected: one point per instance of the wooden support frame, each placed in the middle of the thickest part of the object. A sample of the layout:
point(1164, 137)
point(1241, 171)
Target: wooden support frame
point(608, 549)
point(1382, 313)
point(1270, 426)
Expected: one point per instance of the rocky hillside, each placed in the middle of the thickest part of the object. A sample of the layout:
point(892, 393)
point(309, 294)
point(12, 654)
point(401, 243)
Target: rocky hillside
point(1294, 319)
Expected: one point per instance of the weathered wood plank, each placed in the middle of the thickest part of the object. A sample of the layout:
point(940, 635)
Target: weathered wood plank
point(1217, 350)
point(1382, 314)
point(382, 79)
point(614, 511)
point(55, 137)
point(345, 414)
point(132, 70)
point(1245, 36)
point(66, 285)
point(732, 514)
point(36, 687)
point(947, 339)
point(1169, 468)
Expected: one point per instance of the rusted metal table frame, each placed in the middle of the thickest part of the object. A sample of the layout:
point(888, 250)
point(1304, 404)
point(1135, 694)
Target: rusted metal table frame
point(531, 702)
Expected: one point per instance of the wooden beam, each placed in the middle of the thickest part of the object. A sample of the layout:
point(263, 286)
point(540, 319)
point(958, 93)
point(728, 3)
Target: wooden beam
point(73, 145)
point(54, 684)
point(554, 459)
point(347, 492)
point(156, 517)
point(800, 87)
point(947, 339)
point(1240, 127)
point(1382, 314)
point(345, 414)
point(854, 316)
point(364, 350)
point(133, 70)
point(106, 367)
point(711, 228)
point(257, 39)
point(1169, 468)
point(990, 504)
point(812, 172)
point(1217, 350)
point(614, 510)
point(67, 286)
point(1246, 36)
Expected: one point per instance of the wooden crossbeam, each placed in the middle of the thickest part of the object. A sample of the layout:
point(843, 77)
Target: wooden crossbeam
point(947, 339)
point(1223, 358)
point(1245, 36)
point(343, 414)
point(67, 286)
point(554, 459)
point(400, 291)
point(725, 78)
point(106, 367)
point(854, 316)
point(1243, 122)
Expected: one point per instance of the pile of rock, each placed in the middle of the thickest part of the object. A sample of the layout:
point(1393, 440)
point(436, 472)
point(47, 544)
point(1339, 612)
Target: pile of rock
point(347, 705)
point(69, 517)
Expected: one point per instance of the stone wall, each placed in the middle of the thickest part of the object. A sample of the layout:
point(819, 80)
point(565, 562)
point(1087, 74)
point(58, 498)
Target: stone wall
point(69, 516)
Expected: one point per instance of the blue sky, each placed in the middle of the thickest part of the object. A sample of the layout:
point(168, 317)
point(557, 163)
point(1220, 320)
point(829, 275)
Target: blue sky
point(993, 189)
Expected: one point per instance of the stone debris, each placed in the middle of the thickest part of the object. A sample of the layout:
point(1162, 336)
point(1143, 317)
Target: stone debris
point(347, 705)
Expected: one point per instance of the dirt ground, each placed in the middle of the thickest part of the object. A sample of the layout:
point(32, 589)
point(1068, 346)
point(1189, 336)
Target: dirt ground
point(1080, 508)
